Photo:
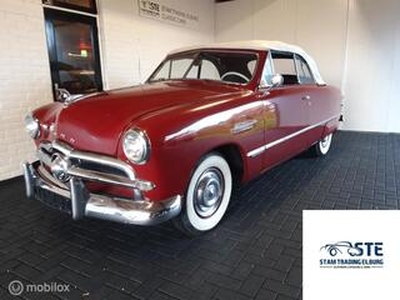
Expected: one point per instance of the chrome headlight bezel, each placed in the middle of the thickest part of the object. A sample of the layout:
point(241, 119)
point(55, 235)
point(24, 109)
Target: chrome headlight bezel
point(32, 126)
point(136, 146)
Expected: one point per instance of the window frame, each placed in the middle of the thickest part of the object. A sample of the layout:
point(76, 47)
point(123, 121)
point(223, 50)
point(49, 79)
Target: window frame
point(57, 3)
point(268, 62)
point(201, 69)
point(51, 14)
point(197, 52)
point(299, 59)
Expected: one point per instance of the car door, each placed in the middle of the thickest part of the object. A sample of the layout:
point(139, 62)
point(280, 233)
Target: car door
point(315, 98)
point(286, 113)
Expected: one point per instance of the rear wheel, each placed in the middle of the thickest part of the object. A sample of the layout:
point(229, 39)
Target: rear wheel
point(207, 196)
point(323, 146)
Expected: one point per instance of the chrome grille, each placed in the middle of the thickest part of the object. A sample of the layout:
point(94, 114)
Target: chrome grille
point(87, 161)
point(64, 163)
point(87, 165)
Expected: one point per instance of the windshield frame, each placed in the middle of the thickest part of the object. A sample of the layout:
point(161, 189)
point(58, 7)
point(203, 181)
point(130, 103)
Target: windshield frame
point(195, 54)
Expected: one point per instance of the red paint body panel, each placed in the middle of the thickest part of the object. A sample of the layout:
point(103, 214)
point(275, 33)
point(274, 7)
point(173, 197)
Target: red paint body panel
point(186, 119)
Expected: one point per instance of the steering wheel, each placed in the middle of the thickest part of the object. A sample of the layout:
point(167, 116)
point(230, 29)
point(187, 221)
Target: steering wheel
point(232, 73)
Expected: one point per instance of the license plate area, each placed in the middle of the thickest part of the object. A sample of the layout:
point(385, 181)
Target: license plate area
point(53, 200)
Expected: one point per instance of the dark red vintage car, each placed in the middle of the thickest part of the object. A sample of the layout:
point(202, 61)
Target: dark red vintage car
point(172, 148)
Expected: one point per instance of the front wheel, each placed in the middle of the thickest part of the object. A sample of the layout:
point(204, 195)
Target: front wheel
point(323, 146)
point(207, 196)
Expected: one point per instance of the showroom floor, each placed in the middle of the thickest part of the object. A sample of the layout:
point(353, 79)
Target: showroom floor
point(254, 254)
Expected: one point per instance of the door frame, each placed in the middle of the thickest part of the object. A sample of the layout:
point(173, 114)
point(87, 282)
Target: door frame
point(51, 14)
point(61, 4)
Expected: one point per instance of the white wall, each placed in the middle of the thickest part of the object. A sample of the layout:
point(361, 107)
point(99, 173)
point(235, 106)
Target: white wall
point(373, 72)
point(24, 78)
point(127, 42)
point(133, 46)
point(355, 42)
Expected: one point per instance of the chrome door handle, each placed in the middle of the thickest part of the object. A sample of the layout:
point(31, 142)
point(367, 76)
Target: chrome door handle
point(306, 98)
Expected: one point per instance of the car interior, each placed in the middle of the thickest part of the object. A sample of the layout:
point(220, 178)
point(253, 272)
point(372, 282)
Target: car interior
point(292, 67)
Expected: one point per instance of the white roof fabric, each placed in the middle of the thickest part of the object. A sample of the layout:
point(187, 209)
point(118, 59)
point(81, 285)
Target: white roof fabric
point(263, 46)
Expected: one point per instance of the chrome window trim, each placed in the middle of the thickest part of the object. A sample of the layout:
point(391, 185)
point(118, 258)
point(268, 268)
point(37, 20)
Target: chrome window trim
point(258, 151)
point(299, 59)
point(268, 61)
point(174, 55)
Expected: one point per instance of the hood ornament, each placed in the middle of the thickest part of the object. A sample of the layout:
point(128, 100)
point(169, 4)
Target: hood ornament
point(64, 96)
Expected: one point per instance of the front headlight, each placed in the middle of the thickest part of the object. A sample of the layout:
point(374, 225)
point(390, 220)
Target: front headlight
point(32, 126)
point(136, 146)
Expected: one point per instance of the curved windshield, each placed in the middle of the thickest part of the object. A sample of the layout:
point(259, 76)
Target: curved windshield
point(231, 67)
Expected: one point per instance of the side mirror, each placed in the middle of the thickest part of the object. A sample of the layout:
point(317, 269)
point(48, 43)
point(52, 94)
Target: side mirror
point(275, 81)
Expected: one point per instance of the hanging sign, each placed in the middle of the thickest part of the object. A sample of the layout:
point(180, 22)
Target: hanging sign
point(163, 11)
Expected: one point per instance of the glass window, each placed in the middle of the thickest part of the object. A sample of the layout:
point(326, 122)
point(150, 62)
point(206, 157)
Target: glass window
point(163, 72)
point(251, 65)
point(268, 72)
point(209, 71)
point(303, 70)
point(83, 5)
point(179, 67)
point(73, 52)
point(284, 64)
point(232, 67)
point(193, 72)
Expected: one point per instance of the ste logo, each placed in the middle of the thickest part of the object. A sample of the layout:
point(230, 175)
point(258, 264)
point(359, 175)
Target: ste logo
point(354, 249)
point(345, 254)
point(150, 6)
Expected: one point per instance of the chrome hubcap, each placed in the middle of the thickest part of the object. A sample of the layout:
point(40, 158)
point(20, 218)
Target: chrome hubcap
point(208, 192)
point(325, 142)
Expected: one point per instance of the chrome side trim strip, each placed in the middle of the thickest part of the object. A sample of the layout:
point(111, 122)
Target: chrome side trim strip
point(243, 126)
point(258, 151)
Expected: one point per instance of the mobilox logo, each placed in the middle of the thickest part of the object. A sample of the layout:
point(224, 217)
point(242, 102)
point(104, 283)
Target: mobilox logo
point(346, 254)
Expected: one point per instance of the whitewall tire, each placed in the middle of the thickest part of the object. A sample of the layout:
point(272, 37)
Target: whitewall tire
point(207, 197)
point(323, 146)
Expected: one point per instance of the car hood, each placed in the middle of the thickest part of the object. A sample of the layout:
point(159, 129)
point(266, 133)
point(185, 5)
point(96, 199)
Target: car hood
point(96, 123)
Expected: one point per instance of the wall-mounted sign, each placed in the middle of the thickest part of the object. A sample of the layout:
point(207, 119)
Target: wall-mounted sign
point(163, 11)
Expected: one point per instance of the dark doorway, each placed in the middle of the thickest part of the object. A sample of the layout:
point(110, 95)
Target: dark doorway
point(73, 46)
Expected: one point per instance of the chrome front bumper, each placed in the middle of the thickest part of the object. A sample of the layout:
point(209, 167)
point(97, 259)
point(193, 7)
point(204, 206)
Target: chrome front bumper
point(72, 197)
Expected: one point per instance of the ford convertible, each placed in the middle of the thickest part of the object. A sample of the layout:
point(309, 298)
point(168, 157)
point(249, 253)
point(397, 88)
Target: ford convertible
point(208, 118)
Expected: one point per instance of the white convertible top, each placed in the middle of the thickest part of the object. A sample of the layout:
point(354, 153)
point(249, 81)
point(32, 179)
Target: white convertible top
point(263, 46)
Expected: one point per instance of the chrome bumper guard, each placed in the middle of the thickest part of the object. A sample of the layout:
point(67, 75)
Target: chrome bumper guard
point(138, 211)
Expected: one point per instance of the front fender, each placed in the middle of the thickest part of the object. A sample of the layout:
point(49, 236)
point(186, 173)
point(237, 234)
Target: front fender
point(181, 138)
